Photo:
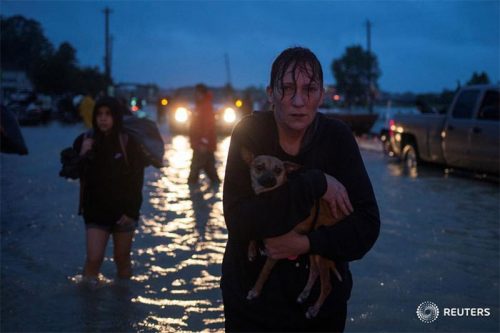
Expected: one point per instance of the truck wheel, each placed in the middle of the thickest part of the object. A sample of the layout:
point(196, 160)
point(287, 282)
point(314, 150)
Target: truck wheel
point(410, 159)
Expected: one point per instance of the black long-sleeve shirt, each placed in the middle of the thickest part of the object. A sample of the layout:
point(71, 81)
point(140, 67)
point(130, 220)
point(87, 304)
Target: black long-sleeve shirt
point(112, 184)
point(328, 147)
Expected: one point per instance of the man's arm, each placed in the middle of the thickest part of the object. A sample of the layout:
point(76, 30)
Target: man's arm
point(353, 237)
point(250, 216)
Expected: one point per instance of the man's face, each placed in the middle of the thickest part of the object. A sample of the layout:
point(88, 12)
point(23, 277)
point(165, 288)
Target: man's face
point(296, 105)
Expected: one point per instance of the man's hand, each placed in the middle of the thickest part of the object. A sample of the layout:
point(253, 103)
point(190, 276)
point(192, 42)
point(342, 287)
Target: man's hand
point(125, 220)
point(288, 245)
point(337, 198)
point(86, 146)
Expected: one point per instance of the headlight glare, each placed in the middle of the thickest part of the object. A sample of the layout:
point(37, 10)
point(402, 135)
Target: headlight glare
point(181, 115)
point(229, 115)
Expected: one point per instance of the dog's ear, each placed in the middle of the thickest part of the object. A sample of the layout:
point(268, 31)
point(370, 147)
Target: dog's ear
point(290, 166)
point(247, 155)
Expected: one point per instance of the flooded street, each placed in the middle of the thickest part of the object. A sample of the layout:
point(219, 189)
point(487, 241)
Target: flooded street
point(439, 242)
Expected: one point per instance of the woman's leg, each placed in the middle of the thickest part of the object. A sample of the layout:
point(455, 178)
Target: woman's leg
point(122, 248)
point(97, 239)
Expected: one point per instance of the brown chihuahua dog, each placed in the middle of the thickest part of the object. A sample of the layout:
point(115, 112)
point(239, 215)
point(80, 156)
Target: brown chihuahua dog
point(267, 173)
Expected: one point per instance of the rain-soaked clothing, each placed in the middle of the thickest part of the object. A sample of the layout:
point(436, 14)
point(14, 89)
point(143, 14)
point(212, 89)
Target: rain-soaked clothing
point(202, 129)
point(328, 147)
point(203, 141)
point(112, 185)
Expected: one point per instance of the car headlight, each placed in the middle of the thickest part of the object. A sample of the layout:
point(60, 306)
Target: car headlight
point(181, 115)
point(229, 115)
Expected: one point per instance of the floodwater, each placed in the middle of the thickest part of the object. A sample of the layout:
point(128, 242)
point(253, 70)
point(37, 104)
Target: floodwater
point(439, 242)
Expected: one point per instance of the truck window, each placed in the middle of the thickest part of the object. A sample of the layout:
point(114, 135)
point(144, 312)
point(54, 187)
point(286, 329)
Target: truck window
point(490, 108)
point(464, 107)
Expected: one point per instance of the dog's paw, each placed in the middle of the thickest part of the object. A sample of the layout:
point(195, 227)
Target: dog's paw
point(252, 255)
point(312, 312)
point(252, 294)
point(302, 297)
point(337, 274)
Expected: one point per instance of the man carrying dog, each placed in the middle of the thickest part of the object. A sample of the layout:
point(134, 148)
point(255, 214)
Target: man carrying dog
point(332, 170)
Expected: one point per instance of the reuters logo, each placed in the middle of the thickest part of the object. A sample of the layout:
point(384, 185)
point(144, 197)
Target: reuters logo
point(427, 312)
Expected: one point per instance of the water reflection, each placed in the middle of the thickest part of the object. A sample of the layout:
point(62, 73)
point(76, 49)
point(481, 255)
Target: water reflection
point(180, 262)
point(439, 241)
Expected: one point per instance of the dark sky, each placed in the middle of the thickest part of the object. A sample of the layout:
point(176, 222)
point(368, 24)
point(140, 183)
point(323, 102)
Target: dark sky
point(422, 46)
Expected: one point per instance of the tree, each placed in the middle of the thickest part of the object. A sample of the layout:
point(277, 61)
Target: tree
point(25, 47)
point(479, 78)
point(90, 80)
point(58, 74)
point(23, 44)
point(352, 73)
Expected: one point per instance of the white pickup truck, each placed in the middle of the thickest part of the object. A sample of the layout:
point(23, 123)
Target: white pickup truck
point(466, 137)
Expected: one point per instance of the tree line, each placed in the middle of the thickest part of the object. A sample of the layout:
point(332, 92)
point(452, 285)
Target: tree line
point(53, 71)
point(56, 71)
point(357, 72)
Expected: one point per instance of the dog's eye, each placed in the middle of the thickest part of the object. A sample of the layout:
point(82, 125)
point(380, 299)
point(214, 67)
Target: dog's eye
point(278, 170)
point(259, 167)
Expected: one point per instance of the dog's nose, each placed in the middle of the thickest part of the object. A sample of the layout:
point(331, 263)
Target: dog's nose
point(267, 180)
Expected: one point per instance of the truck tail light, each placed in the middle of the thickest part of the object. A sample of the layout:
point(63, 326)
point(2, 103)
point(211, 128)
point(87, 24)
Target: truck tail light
point(392, 128)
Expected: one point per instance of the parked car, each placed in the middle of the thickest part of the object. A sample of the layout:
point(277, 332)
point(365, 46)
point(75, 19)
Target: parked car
point(466, 137)
point(32, 114)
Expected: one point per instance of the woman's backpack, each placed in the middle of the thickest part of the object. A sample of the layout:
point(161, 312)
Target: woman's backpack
point(145, 133)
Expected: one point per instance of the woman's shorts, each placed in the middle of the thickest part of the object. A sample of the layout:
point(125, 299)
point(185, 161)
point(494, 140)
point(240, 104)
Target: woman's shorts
point(112, 228)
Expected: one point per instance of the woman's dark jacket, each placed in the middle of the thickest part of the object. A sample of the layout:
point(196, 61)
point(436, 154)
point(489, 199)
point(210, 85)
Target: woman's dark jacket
point(328, 147)
point(112, 185)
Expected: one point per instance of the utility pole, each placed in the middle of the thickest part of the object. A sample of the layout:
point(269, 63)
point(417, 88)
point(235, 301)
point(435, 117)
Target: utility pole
point(228, 68)
point(369, 49)
point(107, 46)
point(229, 87)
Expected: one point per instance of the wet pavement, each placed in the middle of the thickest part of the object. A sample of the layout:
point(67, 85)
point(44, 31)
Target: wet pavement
point(439, 242)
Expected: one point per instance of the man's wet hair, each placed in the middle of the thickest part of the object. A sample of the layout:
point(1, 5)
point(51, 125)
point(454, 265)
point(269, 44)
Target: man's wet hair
point(300, 58)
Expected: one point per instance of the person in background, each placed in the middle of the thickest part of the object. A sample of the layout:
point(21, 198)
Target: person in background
point(332, 170)
point(85, 109)
point(111, 179)
point(203, 137)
